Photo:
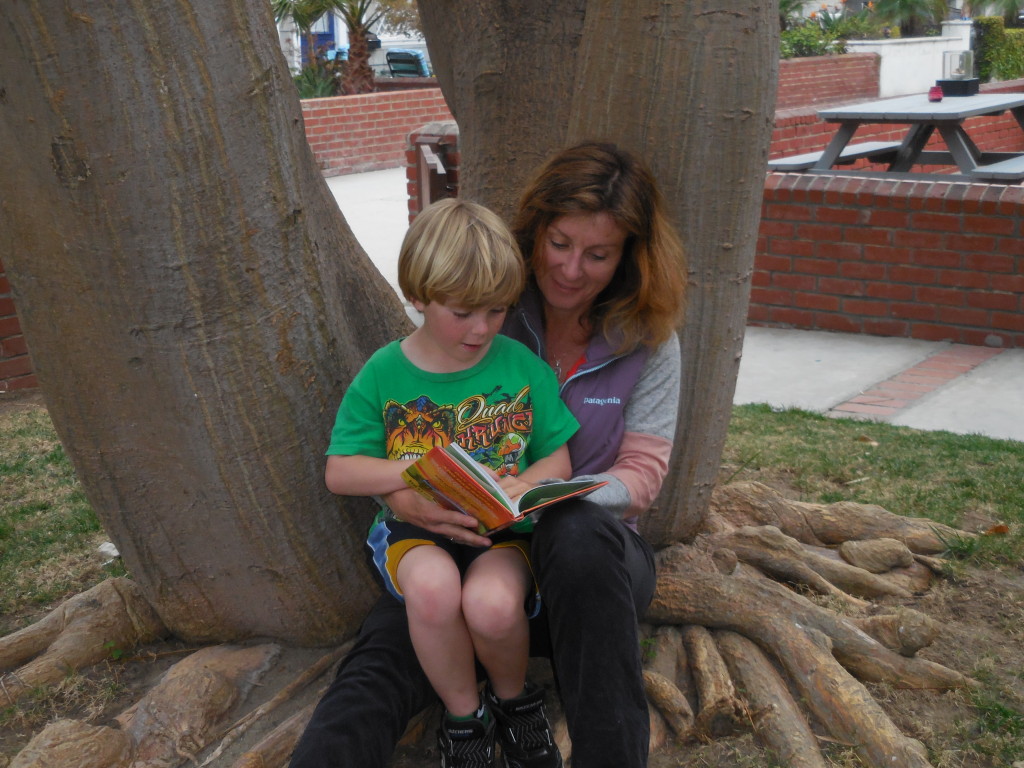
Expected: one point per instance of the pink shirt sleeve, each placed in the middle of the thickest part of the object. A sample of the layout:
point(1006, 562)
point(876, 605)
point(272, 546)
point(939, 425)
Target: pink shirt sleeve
point(641, 466)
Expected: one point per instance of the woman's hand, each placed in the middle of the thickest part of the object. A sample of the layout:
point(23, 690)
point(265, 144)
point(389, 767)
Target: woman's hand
point(414, 508)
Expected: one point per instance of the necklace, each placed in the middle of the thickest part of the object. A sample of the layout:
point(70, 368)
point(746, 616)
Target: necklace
point(565, 350)
point(572, 355)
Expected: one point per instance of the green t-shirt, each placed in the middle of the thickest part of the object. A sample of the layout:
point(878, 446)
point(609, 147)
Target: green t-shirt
point(505, 410)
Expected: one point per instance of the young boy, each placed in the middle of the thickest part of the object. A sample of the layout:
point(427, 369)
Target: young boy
point(455, 379)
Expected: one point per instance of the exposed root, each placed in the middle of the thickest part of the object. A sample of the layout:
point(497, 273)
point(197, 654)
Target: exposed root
point(171, 724)
point(236, 731)
point(80, 632)
point(777, 721)
point(734, 646)
point(826, 524)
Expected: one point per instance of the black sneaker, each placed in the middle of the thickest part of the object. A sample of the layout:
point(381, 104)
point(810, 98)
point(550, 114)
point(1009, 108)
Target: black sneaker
point(523, 730)
point(466, 743)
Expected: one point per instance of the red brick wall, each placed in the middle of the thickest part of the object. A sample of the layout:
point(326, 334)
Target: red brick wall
point(351, 134)
point(424, 184)
point(15, 365)
point(817, 81)
point(922, 259)
point(357, 133)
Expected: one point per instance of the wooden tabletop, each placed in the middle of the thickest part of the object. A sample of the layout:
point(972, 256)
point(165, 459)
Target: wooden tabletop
point(917, 108)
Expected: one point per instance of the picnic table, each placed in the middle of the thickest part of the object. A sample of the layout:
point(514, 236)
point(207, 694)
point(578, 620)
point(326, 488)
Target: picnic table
point(923, 118)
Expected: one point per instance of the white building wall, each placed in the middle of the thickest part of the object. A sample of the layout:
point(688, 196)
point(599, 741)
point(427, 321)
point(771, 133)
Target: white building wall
point(913, 64)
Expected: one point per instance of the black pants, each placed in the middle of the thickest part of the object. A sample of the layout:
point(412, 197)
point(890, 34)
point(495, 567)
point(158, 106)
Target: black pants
point(596, 578)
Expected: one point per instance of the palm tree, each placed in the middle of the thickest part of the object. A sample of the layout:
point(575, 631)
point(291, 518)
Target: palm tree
point(912, 16)
point(359, 20)
point(304, 13)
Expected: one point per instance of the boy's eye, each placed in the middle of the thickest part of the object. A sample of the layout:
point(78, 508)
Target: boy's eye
point(461, 315)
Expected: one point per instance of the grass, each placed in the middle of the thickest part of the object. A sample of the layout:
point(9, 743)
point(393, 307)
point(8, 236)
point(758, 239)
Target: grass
point(49, 533)
point(48, 530)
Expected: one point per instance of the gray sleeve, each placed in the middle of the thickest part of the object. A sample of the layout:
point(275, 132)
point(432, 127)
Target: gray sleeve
point(654, 405)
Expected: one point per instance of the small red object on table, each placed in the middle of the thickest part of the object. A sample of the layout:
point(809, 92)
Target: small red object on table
point(935, 93)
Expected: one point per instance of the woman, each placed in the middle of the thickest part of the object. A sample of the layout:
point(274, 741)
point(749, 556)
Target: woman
point(605, 293)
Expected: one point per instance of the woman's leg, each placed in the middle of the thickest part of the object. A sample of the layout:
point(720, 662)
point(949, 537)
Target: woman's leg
point(432, 586)
point(493, 602)
point(596, 578)
point(377, 690)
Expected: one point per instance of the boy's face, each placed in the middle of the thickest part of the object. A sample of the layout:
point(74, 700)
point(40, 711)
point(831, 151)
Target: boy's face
point(454, 339)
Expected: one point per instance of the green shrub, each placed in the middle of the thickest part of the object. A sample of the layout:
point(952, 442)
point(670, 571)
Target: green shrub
point(998, 51)
point(1008, 62)
point(989, 33)
point(316, 83)
point(808, 40)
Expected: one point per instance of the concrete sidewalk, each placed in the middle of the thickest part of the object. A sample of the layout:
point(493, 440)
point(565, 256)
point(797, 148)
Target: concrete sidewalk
point(920, 384)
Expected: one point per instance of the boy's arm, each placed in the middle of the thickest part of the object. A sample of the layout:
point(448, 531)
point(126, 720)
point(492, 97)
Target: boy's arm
point(364, 475)
point(556, 464)
point(368, 476)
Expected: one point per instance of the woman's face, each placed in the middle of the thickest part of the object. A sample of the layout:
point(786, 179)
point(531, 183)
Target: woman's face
point(579, 254)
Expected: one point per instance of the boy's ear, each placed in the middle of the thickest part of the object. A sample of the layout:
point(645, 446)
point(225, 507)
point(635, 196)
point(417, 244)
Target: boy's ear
point(418, 305)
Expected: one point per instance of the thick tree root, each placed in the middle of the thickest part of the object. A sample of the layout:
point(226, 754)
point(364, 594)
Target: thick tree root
point(741, 504)
point(777, 721)
point(112, 616)
point(275, 748)
point(731, 645)
point(170, 725)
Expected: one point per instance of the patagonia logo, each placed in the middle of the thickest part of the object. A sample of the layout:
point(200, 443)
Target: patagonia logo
point(601, 401)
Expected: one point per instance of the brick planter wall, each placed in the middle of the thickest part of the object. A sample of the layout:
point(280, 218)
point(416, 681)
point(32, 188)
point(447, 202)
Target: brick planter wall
point(929, 260)
point(817, 81)
point(352, 134)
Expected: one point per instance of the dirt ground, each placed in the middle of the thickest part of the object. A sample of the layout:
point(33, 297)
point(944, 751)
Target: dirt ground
point(981, 612)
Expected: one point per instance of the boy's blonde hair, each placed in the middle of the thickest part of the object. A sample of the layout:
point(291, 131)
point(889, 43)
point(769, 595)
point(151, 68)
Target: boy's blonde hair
point(458, 252)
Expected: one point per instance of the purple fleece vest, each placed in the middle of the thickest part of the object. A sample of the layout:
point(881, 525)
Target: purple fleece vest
point(597, 393)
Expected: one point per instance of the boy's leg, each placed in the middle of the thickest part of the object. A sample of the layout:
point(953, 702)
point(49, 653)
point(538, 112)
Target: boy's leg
point(493, 602)
point(596, 578)
point(431, 584)
point(377, 690)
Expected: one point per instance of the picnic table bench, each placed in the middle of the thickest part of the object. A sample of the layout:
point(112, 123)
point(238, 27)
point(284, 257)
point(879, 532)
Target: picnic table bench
point(1011, 169)
point(882, 151)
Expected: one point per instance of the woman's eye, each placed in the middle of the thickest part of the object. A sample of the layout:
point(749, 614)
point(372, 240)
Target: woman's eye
point(597, 257)
point(557, 245)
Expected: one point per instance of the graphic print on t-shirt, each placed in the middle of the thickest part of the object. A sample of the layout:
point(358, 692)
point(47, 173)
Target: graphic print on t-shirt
point(494, 427)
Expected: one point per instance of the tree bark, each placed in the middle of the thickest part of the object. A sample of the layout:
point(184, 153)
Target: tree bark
point(212, 305)
point(194, 303)
point(689, 86)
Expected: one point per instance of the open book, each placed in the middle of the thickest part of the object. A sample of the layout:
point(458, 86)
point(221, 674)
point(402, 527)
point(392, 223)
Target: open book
point(450, 477)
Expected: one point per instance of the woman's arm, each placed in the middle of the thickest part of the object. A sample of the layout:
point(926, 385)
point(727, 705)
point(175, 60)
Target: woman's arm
point(636, 476)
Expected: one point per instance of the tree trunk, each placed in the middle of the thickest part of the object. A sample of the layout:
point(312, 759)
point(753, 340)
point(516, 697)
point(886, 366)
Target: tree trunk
point(691, 87)
point(194, 303)
point(358, 73)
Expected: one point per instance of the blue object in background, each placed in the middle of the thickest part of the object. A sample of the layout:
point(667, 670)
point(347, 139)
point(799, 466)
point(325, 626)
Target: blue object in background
point(405, 62)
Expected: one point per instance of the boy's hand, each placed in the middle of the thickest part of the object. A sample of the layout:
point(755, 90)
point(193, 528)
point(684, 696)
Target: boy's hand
point(514, 486)
point(418, 510)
